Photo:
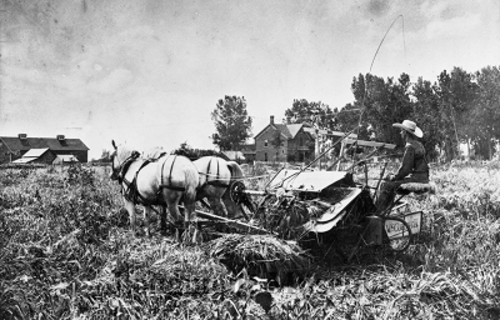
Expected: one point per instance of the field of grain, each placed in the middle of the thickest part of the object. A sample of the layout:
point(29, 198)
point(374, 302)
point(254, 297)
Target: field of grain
point(66, 253)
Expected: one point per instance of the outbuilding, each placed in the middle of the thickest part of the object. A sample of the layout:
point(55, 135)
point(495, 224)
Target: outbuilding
point(13, 148)
point(65, 159)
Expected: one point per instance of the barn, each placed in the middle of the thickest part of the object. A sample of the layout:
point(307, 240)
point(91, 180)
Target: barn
point(41, 149)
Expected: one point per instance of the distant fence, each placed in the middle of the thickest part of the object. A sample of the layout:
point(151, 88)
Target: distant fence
point(27, 166)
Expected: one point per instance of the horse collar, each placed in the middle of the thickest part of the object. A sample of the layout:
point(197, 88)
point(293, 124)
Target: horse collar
point(126, 164)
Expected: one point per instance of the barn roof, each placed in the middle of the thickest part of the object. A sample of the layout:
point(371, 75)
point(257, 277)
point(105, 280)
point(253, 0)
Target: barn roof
point(54, 144)
point(31, 155)
point(35, 153)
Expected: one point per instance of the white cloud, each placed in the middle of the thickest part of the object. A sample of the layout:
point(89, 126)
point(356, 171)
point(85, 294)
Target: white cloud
point(117, 80)
point(451, 28)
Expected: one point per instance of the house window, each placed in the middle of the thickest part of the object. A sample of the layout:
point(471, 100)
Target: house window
point(265, 156)
point(266, 143)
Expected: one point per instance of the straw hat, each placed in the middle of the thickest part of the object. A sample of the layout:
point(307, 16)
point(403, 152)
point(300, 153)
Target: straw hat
point(411, 127)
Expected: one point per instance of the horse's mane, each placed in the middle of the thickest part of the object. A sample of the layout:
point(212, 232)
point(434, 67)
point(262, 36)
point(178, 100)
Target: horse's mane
point(155, 153)
point(123, 152)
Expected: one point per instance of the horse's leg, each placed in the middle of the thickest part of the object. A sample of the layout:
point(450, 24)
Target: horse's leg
point(233, 210)
point(218, 206)
point(190, 208)
point(163, 219)
point(189, 232)
point(147, 216)
point(130, 207)
point(213, 195)
point(173, 208)
point(172, 199)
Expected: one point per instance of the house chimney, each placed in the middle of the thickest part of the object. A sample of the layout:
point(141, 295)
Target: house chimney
point(60, 137)
point(271, 120)
point(22, 136)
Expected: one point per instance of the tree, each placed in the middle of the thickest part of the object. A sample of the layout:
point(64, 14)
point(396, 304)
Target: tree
point(311, 113)
point(456, 93)
point(427, 115)
point(485, 117)
point(382, 103)
point(232, 123)
point(105, 156)
point(193, 154)
point(347, 119)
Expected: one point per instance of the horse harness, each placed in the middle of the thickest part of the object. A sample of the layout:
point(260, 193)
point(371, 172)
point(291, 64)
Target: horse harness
point(132, 194)
point(217, 182)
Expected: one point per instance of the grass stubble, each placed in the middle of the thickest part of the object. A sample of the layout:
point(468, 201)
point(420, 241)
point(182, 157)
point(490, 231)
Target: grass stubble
point(66, 253)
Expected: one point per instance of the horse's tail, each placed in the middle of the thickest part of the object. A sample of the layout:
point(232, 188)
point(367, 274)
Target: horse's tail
point(192, 182)
point(236, 171)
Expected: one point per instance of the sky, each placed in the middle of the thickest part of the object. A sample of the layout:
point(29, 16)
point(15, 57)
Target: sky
point(149, 73)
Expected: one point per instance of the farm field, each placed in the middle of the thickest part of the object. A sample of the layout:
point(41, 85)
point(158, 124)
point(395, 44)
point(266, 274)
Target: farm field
point(66, 253)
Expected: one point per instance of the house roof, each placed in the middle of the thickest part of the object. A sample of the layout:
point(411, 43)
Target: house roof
point(15, 143)
point(294, 129)
point(289, 131)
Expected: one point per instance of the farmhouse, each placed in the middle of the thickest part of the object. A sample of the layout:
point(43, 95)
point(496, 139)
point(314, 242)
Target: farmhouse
point(292, 142)
point(284, 142)
point(41, 150)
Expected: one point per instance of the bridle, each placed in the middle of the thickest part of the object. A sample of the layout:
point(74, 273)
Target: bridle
point(118, 173)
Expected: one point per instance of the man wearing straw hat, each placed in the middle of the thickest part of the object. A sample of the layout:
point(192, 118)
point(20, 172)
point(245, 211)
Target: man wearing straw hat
point(413, 167)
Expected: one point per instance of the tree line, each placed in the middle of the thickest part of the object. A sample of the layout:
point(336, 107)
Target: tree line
point(458, 108)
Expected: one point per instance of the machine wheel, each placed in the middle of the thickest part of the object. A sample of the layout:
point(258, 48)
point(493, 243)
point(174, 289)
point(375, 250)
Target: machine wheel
point(398, 233)
point(238, 195)
point(236, 191)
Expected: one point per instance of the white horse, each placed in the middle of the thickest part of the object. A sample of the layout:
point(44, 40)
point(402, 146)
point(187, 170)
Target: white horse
point(163, 182)
point(216, 176)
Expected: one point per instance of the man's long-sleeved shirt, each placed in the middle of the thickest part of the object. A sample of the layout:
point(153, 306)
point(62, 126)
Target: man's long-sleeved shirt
point(414, 163)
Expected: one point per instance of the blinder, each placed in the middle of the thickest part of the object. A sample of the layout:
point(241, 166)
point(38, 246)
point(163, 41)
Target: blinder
point(119, 172)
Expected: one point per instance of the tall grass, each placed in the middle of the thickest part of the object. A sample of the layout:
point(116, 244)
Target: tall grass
point(66, 253)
